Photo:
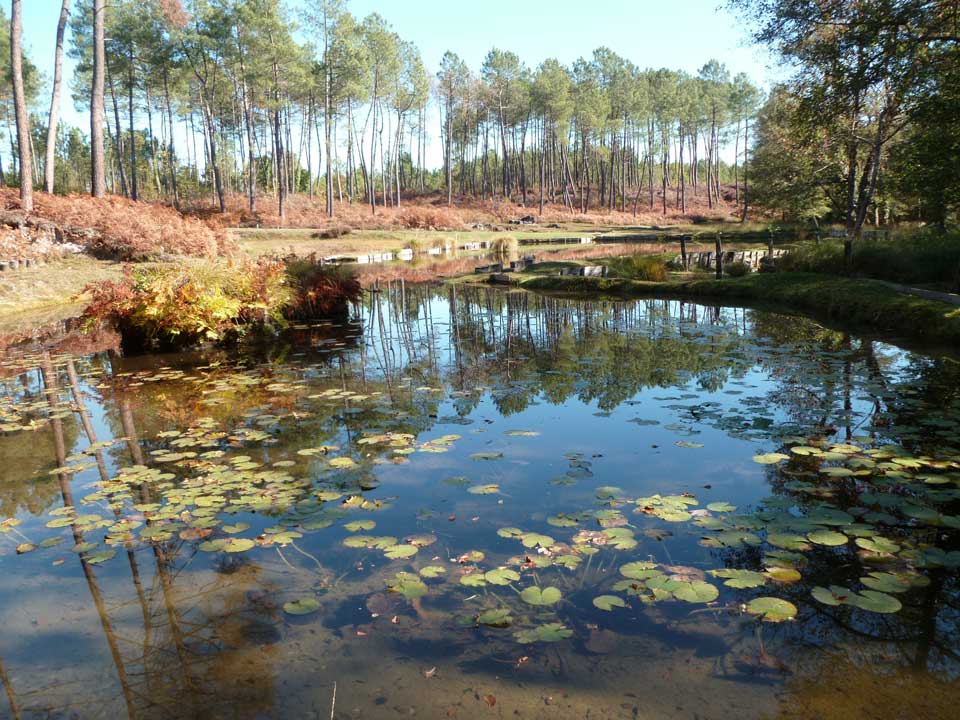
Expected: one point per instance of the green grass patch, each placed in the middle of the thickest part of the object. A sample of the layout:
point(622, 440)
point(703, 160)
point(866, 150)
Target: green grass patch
point(849, 301)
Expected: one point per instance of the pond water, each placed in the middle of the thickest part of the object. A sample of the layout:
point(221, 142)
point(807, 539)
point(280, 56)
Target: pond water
point(472, 504)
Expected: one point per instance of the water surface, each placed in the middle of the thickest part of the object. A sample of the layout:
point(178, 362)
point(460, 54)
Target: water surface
point(472, 503)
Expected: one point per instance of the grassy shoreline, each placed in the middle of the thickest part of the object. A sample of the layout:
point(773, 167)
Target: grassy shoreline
point(855, 302)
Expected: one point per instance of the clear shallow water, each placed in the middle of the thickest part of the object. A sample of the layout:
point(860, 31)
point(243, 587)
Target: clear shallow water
point(239, 526)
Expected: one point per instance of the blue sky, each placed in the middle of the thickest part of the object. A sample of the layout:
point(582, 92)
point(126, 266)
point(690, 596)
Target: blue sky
point(679, 34)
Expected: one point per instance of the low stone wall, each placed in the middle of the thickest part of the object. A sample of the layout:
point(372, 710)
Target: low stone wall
point(705, 260)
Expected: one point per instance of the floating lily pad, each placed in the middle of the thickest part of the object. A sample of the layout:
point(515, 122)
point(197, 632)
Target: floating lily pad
point(770, 458)
point(535, 539)
point(238, 545)
point(486, 456)
point(609, 602)
point(740, 578)
point(397, 552)
point(696, 592)
point(358, 525)
point(303, 606)
point(408, 585)
point(501, 576)
point(536, 596)
point(486, 489)
point(828, 538)
point(551, 632)
point(432, 571)
point(772, 609)
point(500, 618)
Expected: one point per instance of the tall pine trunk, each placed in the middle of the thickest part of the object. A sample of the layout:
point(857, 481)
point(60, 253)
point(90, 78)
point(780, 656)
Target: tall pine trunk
point(49, 167)
point(20, 103)
point(98, 179)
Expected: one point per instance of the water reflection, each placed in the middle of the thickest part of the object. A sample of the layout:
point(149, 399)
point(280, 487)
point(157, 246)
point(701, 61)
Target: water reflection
point(453, 414)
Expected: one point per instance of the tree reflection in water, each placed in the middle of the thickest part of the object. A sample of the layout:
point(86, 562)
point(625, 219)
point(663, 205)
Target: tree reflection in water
point(194, 634)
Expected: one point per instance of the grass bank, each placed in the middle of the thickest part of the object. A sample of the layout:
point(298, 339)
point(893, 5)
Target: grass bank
point(858, 302)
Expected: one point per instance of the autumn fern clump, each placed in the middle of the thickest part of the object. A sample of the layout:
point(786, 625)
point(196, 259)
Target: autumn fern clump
point(174, 307)
point(320, 291)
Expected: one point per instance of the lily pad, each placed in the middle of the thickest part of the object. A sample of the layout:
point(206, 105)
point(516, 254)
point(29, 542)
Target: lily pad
point(501, 576)
point(772, 609)
point(408, 585)
point(609, 602)
point(303, 606)
point(536, 596)
point(499, 617)
point(486, 489)
point(551, 632)
point(238, 545)
point(828, 538)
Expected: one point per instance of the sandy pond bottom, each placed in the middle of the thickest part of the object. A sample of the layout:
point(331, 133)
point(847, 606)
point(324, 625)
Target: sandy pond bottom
point(475, 504)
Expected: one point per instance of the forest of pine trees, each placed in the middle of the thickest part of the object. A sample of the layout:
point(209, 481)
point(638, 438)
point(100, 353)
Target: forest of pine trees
point(203, 99)
point(193, 102)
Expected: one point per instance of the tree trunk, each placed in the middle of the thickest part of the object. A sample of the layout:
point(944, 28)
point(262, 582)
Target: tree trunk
point(134, 189)
point(49, 166)
point(746, 156)
point(20, 103)
point(98, 180)
point(171, 148)
point(117, 136)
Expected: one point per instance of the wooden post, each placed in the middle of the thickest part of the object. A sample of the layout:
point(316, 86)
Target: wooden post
point(719, 252)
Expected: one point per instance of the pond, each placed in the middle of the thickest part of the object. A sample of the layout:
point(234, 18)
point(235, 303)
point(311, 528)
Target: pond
point(472, 503)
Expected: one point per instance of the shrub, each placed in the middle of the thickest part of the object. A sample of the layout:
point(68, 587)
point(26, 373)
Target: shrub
point(320, 290)
point(736, 269)
point(419, 217)
point(122, 229)
point(178, 306)
point(504, 246)
point(923, 257)
point(638, 267)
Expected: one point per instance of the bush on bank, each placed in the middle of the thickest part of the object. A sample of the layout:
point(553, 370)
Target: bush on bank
point(169, 307)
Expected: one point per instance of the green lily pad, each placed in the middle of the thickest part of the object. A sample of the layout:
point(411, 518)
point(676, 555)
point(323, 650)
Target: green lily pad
point(486, 456)
point(501, 576)
point(100, 557)
point(500, 618)
point(408, 585)
point(770, 458)
point(487, 489)
point(432, 571)
point(358, 525)
point(772, 609)
point(473, 580)
point(609, 602)
point(238, 545)
point(232, 529)
point(639, 570)
point(740, 578)
point(397, 552)
point(534, 539)
point(828, 538)
point(303, 606)
point(696, 592)
point(536, 596)
point(551, 632)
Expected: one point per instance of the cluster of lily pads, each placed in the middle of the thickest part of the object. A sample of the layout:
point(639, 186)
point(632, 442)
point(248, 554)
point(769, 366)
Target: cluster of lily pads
point(893, 529)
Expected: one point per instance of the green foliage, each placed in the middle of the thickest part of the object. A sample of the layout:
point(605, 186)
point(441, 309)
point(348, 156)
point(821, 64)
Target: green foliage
point(180, 306)
point(638, 267)
point(923, 257)
point(736, 269)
